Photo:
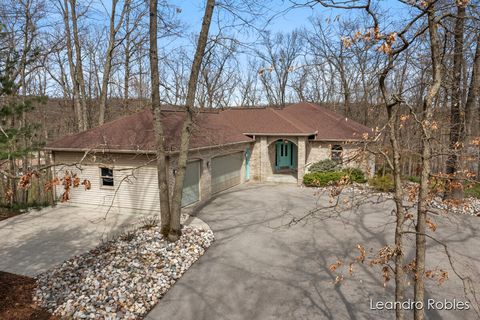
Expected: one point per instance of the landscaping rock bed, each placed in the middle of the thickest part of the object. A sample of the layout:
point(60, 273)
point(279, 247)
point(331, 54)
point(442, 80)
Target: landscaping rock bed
point(469, 205)
point(120, 279)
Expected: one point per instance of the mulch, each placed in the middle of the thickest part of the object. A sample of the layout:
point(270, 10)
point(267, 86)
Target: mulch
point(16, 293)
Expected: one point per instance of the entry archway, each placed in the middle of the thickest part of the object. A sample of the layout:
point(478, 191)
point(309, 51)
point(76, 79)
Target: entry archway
point(285, 156)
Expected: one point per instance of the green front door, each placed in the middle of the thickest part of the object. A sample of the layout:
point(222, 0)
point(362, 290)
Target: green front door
point(285, 155)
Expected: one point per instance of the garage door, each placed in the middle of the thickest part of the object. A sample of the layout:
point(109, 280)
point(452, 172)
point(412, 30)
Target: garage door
point(191, 190)
point(226, 171)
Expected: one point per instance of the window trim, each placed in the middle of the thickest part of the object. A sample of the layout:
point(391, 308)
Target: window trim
point(102, 177)
point(336, 153)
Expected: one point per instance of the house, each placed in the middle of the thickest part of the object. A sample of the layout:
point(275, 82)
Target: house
point(227, 147)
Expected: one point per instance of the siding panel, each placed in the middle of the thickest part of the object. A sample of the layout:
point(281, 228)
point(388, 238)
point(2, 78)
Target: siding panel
point(135, 184)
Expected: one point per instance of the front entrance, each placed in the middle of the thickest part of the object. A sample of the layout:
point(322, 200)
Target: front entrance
point(285, 155)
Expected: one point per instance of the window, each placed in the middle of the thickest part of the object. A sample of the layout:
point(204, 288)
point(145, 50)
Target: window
point(337, 153)
point(106, 177)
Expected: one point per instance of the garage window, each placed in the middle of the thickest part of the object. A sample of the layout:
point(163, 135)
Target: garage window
point(106, 177)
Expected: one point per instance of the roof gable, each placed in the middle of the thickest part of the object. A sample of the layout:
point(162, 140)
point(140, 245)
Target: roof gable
point(329, 125)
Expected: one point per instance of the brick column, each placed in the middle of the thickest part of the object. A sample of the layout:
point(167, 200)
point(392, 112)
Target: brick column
point(264, 161)
point(301, 161)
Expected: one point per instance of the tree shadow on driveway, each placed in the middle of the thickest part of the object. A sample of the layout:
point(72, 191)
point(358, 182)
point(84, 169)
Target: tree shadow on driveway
point(259, 269)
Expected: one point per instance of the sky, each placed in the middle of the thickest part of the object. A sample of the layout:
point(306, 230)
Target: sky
point(286, 20)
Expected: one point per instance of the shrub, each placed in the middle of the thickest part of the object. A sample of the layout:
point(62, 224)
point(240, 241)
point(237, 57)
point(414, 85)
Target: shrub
point(149, 222)
point(355, 175)
point(327, 165)
point(473, 191)
point(128, 235)
point(414, 179)
point(382, 183)
point(322, 179)
point(383, 170)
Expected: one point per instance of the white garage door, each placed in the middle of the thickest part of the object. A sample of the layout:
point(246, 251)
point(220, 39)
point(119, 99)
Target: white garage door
point(226, 171)
point(191, 190)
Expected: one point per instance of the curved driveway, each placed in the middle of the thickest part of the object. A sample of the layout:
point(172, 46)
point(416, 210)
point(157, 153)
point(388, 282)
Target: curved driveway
point(259, 269)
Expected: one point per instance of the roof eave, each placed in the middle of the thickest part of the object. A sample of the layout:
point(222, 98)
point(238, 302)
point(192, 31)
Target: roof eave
point(280, 134)
point(340, 140)
point(99, 150)
point(212, 147)
point(138, 151)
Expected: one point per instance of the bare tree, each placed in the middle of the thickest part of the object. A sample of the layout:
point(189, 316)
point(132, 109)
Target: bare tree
point(175, 231)
point(113, 43)
point(278, 53)
point(216, 80)
point(162, 174)
point(457, 113)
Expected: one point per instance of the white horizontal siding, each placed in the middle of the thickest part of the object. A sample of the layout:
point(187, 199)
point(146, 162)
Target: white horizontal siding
point(135, 185)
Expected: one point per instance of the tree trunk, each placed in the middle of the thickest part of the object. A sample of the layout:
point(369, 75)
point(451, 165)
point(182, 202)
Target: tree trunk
point(474, 88)
point(457, 116)
point(113, 29)
point(79, 66)
point(393, 127)
point(420, 243)
point(157, 122)
point(472, 98)
point(73, 70)
point(175, 230)
point(399, 210)
point(126, 79)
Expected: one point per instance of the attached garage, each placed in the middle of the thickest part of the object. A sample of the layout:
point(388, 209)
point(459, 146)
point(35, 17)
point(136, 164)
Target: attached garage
point(226, 171)
point(191, 189)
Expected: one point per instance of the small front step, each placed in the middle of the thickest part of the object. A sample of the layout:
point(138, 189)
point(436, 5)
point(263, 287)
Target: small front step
point(282, 178)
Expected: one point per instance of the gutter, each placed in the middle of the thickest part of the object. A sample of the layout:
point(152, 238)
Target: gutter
point(282, 134)
point(104, 150)
point(339, 140)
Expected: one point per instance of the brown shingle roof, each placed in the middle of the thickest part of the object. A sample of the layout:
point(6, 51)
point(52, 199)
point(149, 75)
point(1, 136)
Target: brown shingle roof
point(302, 118)
point(329, 125)
point(135, 132)
point(263, 121)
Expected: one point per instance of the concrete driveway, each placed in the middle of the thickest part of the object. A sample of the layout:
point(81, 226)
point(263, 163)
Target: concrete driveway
point(33, 242)
point(259, 269)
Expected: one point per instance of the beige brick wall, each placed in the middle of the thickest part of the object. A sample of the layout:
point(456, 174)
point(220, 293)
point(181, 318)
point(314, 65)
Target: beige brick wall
point(262, 162)
point(271, 157)
point(353, 155)
point(265, 168)
point(317, 151)
point(302, 159)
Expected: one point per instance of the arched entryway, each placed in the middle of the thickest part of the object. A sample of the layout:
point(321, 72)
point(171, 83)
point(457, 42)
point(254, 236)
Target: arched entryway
point(285, 156)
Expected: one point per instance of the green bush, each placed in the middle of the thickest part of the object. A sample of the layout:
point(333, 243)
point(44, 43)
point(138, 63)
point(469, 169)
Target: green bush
point(355, 175)
point(327, 165)
point(322, 179)
point(414, 179)
point(382, 183)
point(473, 191)
point(383, 170)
